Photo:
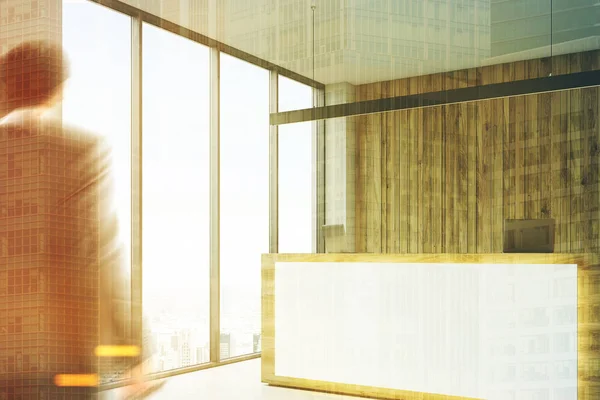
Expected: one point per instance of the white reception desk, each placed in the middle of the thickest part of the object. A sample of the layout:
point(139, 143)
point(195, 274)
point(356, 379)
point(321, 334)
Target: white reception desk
point(497, 326)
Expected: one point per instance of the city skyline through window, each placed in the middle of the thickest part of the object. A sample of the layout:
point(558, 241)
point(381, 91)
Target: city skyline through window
point(176, 195)
point(244, 197)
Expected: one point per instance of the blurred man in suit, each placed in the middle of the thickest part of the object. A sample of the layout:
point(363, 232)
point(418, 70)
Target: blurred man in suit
point(60, 260)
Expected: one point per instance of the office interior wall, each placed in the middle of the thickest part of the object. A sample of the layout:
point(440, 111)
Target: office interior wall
point(443, 179)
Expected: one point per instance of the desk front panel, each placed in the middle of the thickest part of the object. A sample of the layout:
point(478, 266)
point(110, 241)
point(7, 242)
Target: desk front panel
point(480, 326)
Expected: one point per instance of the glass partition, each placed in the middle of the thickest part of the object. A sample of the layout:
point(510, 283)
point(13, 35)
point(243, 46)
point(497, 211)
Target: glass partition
point(296, 186)
point(296, 189)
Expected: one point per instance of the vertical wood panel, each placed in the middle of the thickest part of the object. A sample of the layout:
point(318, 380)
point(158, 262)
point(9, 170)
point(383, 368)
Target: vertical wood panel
point(421, 188)
point(545, 67)
point(595, 153)
point(413, 135)
point(508, 74)
point(373, 184)
point(532, 168)
point(393, 178)
point(403, 183)
point(497, 132)
point(533, 68)
point(387, 227)
point(437, 179)
point(589, 167)
point(508, 161)
point(575, 63)
point(565, 172)
point(560, 135)
point(451, 131)
point(414, 85)
point(462, 81)
point(574, 162)
point(498, 73)
point(519, 118)
point(437, 212)
point(508, 155)
point(575, 166)
point(560, 64)
point(416, 132)
point(383, 167)
point(461, 216)
point(484, 209)
point(545, 156)
point(472, 231)
point(426, 179)
point(485, 75)
point(447, 83)
point(556, 136)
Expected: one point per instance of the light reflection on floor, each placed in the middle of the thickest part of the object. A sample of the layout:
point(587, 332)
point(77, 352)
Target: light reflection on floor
point(229, 382)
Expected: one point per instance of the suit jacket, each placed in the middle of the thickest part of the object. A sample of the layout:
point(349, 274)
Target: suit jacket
point(63, 278)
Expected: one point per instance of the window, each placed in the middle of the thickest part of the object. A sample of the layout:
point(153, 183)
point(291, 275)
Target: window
point(296, 187)
point(244, 197)
point(176, 213)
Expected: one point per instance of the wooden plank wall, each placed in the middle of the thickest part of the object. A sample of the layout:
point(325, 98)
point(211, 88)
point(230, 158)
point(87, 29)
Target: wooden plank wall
point(443, 179)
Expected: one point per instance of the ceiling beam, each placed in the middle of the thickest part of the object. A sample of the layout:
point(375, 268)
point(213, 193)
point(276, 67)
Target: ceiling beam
point(508, 89)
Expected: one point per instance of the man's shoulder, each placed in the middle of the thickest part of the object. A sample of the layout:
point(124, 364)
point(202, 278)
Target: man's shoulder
point(45, 124)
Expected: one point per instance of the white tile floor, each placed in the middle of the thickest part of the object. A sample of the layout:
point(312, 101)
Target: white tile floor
point(239, 381)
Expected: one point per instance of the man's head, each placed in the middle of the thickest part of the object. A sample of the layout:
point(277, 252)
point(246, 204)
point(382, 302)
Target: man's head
point(31, 75)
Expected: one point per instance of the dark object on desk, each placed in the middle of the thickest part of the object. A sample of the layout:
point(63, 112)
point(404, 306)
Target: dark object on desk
point(529, 236)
